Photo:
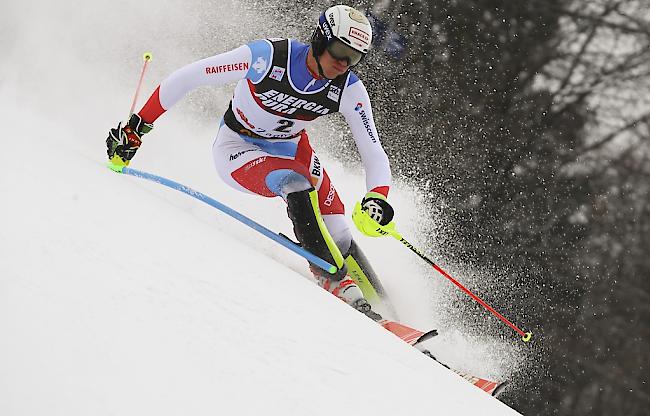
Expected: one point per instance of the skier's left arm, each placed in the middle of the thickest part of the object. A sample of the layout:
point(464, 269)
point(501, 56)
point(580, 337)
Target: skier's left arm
point(373, 216)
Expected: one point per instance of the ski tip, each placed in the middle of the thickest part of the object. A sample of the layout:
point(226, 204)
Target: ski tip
point(527, 337)
point(499, 388)
point(426, 336)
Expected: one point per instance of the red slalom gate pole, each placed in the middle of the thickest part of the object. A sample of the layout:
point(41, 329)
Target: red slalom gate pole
point(147, 57)
point(525, 336)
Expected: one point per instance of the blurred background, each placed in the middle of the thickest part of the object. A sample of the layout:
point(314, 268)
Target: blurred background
point(526, 125)
point(523, 129)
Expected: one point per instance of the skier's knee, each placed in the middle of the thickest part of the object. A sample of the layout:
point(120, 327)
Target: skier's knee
point(282, 182)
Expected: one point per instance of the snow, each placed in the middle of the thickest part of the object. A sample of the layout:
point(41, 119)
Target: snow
point(119, 296)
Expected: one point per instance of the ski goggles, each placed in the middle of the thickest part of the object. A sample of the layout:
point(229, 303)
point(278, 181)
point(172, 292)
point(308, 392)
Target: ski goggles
point(342, 52)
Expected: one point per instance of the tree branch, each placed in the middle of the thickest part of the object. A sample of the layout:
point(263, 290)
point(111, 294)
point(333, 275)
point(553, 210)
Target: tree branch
point(611, 136)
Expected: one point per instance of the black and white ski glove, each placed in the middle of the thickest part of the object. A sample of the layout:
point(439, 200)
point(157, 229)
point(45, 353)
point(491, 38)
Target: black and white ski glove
point(123, 142)
point(373, 216)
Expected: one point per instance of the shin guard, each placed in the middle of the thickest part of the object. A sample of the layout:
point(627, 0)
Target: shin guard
point(311, 231)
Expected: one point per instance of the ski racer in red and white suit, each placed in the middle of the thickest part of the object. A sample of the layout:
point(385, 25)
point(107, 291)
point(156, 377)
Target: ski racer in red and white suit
point(262, 146)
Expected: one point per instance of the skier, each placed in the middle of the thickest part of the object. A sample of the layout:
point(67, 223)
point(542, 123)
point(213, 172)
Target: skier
point(262, 147)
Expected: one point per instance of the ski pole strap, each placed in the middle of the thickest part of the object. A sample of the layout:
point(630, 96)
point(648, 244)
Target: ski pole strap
point(229, 211)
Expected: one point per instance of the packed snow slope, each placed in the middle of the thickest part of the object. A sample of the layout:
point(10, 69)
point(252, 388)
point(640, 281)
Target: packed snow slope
point(121, 297)
point(115, 298)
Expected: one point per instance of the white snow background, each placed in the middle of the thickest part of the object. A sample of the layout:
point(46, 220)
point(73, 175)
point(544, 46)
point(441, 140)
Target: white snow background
point(122, 297)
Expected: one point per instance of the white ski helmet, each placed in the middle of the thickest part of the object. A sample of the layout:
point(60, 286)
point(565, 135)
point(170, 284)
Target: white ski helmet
point(345, 33)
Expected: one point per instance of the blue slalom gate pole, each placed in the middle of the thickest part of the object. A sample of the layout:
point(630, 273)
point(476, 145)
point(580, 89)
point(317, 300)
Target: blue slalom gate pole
point(229, 211)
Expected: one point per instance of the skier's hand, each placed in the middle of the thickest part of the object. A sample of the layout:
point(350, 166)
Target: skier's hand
point(373, 216)
point(123, 142)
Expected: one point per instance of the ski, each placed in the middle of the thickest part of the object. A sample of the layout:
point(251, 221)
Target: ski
point(414, 337)
point(407, 334)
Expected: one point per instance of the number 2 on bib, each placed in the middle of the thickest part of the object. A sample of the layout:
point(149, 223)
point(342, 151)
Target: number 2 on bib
point(284, 126)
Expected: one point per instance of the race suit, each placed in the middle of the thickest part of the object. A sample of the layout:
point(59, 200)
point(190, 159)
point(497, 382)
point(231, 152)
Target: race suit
point(263, 130)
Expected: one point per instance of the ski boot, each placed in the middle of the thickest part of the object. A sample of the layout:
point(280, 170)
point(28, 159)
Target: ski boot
point(348, 291)
point(364, 307)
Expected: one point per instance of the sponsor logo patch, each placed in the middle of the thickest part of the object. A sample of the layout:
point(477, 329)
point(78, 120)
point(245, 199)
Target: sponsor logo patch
point(360, 35)
point(250, 165)
point(277, 73)
point(244, 118)
point(260, 65)
point(239, 66)
point(330, 196)
point(326, 30)
point(288, 104)
point(357, 16)
point(366, 121)
point(316, 171)
point(234, 156)
point(334, 93)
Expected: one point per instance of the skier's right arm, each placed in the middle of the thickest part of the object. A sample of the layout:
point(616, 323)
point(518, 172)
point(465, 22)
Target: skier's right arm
point(216, 70)
point(124, 141)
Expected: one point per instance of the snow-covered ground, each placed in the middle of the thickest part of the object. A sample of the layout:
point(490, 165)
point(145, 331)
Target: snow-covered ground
point(119, 296)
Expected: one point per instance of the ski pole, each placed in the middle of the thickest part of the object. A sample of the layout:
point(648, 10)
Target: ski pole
point(229, 211)
point(525, 336)
point(116, 160)
point(147, 57)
